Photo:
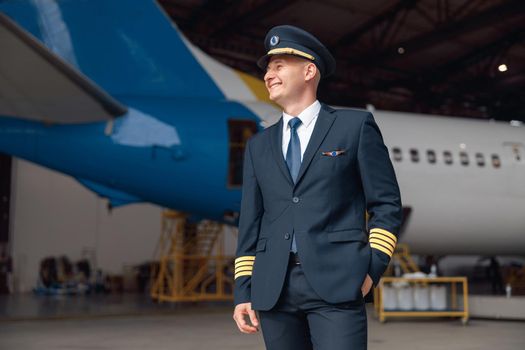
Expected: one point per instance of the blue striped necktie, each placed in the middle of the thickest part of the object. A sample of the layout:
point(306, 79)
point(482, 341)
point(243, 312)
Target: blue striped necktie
point(293, 159)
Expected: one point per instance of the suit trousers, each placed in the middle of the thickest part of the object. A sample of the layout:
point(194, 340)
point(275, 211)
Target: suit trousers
point(302, 320)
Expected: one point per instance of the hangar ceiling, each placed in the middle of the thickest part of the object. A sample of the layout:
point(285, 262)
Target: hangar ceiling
point(427, 56)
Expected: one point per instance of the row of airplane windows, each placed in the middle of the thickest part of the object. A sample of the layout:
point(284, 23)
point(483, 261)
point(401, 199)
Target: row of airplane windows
point(464, 160)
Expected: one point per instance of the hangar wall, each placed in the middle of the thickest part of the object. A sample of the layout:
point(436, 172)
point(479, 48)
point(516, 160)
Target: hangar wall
point(53, 215)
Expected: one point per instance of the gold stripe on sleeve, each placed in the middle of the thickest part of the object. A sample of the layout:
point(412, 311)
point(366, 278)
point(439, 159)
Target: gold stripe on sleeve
point(239, 269)
point(384, 232)
point(244, 273)
point(384, 240)
point(243, 268)
point(244, 263)
point(245, 258)
point(378, 247)
point(382, 244)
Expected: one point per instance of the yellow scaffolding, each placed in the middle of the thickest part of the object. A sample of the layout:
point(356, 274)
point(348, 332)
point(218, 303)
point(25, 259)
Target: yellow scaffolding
point(403, 258)
point(455, 310)
point(192, 264)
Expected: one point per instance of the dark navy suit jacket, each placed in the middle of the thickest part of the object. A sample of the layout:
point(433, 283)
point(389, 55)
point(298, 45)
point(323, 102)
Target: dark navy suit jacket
point(325, 209)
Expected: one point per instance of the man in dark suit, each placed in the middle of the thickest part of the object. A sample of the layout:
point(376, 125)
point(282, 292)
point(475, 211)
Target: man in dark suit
point(305, 256)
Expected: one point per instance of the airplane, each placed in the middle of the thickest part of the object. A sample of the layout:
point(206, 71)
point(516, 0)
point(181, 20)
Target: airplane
point(116, 97)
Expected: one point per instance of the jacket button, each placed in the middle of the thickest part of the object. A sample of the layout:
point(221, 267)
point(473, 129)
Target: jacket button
point(295, 199)
point(286, 236)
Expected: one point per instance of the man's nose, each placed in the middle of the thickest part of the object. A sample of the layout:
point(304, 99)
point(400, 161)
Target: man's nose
point(268, 76)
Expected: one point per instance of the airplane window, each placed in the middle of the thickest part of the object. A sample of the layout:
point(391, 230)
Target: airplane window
point(414, 155)
point(496, 162)
point(480, 159)
point(447, 155)
point(239, 132)
point(431, 156)
point(516, 151)
point(463, 157)
point(397, 154)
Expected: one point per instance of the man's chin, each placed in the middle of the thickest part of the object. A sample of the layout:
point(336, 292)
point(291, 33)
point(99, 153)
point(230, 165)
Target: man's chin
point(274, 98)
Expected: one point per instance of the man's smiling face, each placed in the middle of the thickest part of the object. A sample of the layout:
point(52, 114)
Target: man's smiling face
point(285, 78)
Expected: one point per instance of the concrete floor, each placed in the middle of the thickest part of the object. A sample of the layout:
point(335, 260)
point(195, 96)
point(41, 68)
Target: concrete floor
point(211, 327)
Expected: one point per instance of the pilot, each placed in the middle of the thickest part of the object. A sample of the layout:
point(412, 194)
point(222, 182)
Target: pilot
point(306, 256)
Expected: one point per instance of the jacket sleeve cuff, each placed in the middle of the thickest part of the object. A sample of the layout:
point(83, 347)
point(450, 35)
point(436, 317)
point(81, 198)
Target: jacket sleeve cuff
point(383, 244)
point(378, 264)
point(242, 291)
point(243, 276)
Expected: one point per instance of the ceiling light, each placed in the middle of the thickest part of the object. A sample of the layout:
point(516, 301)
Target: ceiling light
point(502, 67)
point(400, 50)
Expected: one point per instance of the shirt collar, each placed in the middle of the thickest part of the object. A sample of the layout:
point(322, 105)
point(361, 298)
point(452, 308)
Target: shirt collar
point(306, 116)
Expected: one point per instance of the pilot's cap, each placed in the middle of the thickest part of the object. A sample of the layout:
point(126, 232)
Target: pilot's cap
point(290, 40)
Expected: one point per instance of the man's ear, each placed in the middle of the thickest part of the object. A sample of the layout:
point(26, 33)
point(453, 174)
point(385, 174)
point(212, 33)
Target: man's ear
point(310, 70)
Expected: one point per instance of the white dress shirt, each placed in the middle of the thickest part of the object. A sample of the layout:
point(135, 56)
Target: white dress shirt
point(304, 131)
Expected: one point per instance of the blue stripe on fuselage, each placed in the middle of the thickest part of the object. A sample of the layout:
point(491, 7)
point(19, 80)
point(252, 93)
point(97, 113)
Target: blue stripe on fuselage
point(189, 175)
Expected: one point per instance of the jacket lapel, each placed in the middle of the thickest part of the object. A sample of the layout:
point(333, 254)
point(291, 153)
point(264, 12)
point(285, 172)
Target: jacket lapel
point(276, 141)
point(324, 122)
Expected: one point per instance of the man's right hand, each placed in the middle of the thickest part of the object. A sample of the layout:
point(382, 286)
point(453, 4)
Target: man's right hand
point(239, 315)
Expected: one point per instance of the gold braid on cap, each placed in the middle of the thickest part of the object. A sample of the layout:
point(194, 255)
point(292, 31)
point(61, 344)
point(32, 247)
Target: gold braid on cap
point(290, 51)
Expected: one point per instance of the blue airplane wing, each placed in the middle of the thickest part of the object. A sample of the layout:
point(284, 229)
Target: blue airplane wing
point(36, 84)
point(128, 48)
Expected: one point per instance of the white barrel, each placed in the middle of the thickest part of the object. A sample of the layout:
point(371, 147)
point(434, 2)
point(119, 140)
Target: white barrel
point(421, 298)
point(438, 297)
point(389, 298)
point(405, 298)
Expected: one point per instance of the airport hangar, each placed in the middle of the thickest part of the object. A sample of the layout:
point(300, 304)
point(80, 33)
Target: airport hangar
point(462, 59)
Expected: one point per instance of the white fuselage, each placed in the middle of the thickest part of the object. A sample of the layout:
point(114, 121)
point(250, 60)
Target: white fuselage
point(456, 208)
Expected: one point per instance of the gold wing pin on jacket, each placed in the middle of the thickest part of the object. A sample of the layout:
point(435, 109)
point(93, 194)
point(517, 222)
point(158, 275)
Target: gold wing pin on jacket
point(335, 153)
